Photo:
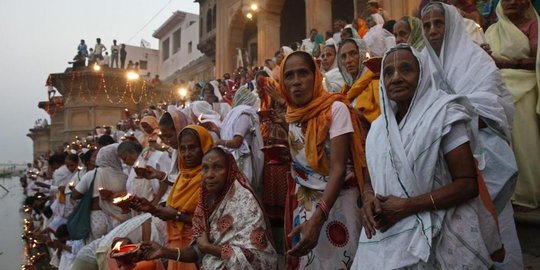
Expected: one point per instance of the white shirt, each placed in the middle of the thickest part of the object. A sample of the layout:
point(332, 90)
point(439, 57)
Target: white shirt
point(307, 45)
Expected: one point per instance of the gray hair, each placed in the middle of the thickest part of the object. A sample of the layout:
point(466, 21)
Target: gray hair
point(129, 147)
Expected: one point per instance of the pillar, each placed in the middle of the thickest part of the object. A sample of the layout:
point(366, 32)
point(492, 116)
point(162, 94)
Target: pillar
point(268, 41)
point(318, 15)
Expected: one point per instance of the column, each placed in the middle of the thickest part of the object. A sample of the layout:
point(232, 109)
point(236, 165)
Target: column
point(318, 15)
point(268, 36)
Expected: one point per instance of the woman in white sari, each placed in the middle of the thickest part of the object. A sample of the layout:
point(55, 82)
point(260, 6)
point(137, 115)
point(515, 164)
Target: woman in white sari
point(377, 38)
point(460, 66)
point(514, 43)
point(240, 135)
point(421, 208)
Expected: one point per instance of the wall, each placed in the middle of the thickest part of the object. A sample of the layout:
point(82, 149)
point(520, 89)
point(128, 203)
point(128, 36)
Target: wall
point(181, 58)
point(137, 54)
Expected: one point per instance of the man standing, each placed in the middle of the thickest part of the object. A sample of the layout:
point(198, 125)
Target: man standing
point(309, 43)
point(82, 48)
point(99, 49)
point(123, 55)
point(115, 50)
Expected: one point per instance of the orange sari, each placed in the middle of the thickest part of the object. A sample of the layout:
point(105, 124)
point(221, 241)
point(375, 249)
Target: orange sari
point(184, 197)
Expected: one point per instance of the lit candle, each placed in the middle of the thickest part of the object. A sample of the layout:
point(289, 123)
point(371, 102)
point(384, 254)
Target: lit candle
point(367, 55)
point(100, 188)
point(117, 246)
point(71, 183)
point(121, 199)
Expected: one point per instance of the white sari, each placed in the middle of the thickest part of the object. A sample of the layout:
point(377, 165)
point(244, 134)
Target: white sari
point(405, 159)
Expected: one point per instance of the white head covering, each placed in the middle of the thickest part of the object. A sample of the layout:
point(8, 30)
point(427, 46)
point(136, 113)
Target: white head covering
point(362, 50)
point(464, 68)
point(404, 160)
point(108, 157)
point(378, 39)
point(203, 111)
point(286, 51)
point(215, 85)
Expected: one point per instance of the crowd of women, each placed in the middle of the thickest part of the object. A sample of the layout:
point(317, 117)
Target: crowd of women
point(415, 159)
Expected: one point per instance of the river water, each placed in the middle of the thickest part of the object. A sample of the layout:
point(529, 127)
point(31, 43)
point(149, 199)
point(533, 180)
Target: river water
point(11, 245)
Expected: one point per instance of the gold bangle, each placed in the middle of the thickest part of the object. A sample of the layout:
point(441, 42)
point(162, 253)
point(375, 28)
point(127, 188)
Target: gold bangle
point(433, 201)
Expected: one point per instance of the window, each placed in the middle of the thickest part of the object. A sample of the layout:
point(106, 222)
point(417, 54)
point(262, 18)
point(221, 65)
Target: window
point(165, 49)
point(143, 64)
point(208, 20)
point(177, 39)
point(189, 47)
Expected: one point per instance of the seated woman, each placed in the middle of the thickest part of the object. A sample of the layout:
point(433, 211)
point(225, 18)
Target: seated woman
point(327, 151)
point(421, 208)
point(194, 141)
point(333, 79)
point(409, 30)
point(229, 227)
point(514, 43)
point(361, 84)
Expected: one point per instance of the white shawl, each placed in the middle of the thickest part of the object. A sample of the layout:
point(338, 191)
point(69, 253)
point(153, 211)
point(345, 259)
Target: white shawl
point(466, 69)
point(406, 160)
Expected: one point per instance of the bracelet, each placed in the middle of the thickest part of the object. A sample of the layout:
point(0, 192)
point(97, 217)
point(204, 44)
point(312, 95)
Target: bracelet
point(178, 257)
point(433, 201)
point(178, 215)
point(324, 208)
point(164, 177)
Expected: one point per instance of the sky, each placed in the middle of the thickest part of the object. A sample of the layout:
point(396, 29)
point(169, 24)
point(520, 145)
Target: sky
point(39, 37)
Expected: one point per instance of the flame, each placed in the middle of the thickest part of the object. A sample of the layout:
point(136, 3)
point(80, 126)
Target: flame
point(368, 55)
point(119, 199)
point(71, 183)
point(117, 246)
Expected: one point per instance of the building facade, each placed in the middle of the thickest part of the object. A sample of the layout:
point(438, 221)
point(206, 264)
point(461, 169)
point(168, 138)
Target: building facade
point(273, 23)
point(179, 56)
point(146, 57)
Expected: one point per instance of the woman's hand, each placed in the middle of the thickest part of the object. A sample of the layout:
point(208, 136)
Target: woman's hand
point(203, 242)
point(371, 209)
point(142, 205)
point(149, 251)
point(210, 126)
point(309, 232)
point(394, 209)
point(165, 213)
point(152, 173)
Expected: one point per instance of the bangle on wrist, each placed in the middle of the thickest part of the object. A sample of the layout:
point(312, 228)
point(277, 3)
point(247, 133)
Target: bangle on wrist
point(178, 256)
point(324, 208)
point(164, 177)
point(178, 216)
point(433, 201)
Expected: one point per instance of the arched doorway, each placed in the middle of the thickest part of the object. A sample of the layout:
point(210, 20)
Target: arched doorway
point(343, 9)
point(293, 22)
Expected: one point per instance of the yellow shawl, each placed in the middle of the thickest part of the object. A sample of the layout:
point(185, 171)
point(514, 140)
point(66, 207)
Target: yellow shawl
point(318, 115)
point(185, 191)
point(507, 42)
point(366, 93)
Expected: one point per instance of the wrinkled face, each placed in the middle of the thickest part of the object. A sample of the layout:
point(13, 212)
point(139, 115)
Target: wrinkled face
point(298, 80)
point(513, 8)
point(190, 150)
point(328, 56)
point(214, 170)
point(402, 31)
point(72, 165)
point(168, 136)
point(433, 24)
point(129, 158)
point(350, 58)
point(401, 73)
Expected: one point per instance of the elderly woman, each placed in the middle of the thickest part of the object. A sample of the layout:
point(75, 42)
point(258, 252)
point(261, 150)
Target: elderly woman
point(462, 67)
point(240, 134)
point(322, 218)
point(409, 30)
point(229, 226)
point(332, 77)
point(109, 182)
point(514, 43)
point(421, 208)
point(377, 38)
point(194, 141)
point(361, 84)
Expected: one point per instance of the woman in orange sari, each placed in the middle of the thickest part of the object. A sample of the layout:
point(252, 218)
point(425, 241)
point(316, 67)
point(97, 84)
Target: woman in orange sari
point(325, 138)
point(194, 141)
